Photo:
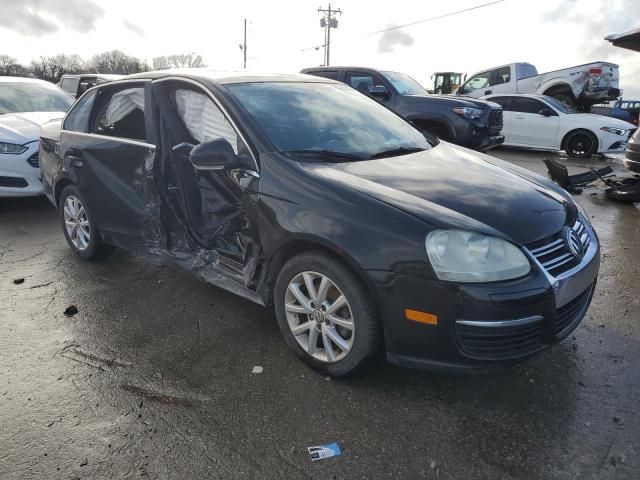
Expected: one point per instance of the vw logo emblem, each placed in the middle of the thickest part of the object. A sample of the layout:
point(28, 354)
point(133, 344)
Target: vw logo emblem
point(574, 244)
point(318, 316)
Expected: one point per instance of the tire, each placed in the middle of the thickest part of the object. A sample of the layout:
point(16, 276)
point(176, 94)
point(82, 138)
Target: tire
point(580, 144)
point(78, 227)
point(359, 343)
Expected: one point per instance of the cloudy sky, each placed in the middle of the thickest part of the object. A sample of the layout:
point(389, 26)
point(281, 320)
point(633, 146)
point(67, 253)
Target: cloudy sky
point(551, 34)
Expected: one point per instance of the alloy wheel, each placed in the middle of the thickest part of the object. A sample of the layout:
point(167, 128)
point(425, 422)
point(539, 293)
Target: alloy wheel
point(580, 144)
point(319, 316)
point(76, 222)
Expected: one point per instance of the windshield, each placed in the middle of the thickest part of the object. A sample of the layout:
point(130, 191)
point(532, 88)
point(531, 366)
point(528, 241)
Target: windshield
point(558, 105)
point(31, 97)
point(325, 118)
point(404, 84)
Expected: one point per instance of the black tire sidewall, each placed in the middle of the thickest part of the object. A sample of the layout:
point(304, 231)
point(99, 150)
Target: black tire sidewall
point(572, 135)
point(367, 328)
point(93, 249)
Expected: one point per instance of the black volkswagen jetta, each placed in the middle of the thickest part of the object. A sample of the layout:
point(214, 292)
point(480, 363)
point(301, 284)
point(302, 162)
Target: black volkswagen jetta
point(301, 193)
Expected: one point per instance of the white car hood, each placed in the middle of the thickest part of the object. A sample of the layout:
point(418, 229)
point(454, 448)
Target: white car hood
point(602, 120)
point(24, 127)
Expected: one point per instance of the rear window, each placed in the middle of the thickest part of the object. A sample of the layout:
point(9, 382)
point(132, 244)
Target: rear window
point(330, 74)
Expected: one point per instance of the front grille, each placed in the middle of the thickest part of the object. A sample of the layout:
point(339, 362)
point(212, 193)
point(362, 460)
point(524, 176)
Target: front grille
point(13, 182)
point(568, 316)
point(554, 253)
point(34, 160)
point(500, 343)
point(494, 122)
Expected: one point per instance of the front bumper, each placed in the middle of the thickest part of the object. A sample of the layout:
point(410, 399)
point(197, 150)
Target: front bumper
point(20, 174)
point(483, 326)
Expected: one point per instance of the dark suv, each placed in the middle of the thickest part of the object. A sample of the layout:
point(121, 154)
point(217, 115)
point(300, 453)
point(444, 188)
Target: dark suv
point(468, 122)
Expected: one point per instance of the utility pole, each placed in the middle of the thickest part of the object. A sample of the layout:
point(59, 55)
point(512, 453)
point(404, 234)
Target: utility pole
point(243, 45)
point(328, 21)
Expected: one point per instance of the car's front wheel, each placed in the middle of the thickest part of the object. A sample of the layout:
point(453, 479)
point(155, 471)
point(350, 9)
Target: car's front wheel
point(79, 229)
point(325, 314)
point(580, 143)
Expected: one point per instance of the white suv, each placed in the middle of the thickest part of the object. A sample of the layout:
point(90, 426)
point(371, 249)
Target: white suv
point(25, 105)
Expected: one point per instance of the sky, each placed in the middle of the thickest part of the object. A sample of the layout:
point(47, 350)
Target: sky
point(282, 34)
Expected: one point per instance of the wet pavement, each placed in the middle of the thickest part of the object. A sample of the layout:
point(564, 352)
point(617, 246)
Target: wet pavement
point(152, 378)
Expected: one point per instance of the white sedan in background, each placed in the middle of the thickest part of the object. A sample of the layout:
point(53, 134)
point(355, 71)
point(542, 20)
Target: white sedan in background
point(25, 105)
point(544, 123)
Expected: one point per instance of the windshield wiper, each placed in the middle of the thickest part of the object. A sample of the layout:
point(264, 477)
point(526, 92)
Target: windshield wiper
point(329, 154)
point(395, 152)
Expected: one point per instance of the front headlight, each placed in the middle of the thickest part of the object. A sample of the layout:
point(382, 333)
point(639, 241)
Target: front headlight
point(614, 130)
point(12, 148)
point(468, 112)
point(462, 256)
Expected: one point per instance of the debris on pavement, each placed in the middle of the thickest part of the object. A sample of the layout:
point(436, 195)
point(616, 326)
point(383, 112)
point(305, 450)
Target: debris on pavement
point(18, 281)
point(257, 369)
point(572, 183)
point(70, 311)
point(324, 451)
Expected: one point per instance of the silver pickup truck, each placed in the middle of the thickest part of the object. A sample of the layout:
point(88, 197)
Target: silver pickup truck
point(580, 86)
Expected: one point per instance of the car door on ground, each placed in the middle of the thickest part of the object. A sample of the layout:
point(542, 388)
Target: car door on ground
point(529, 127)
point(105, 150)
point(363, 81)
point(210, 208)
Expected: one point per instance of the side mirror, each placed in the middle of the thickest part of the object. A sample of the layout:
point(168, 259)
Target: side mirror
point(546, 112)
point(379, 91)
point(218, 154)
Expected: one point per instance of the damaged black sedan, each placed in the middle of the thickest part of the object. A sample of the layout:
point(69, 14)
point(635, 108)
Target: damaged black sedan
point(301, 193)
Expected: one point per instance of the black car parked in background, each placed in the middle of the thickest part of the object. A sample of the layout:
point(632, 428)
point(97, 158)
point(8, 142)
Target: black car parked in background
point(468, 122)
point(299, 192)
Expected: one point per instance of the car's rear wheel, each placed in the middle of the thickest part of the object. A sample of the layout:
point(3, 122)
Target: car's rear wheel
point(325, 314)
point(580, 143)
point(79, 229)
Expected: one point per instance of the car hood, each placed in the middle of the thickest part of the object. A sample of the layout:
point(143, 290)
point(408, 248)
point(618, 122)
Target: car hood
point(22, 128)
point(602, 120)
point(452, 187)
point(455, 101)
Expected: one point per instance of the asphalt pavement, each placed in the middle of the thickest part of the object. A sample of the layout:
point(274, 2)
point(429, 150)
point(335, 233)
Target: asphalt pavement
point(152, 378)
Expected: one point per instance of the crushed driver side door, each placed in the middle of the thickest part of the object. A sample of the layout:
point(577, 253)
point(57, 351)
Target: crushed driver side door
point(208, 214)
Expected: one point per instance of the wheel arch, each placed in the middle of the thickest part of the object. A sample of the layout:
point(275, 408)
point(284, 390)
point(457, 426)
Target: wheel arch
point(58, 188)
point(297, 245)
point(441, 123)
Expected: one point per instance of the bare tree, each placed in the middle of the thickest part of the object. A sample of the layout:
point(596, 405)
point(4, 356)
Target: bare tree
point(183, 60)
point(116, 62)
point(9, 66)
point(52, 68)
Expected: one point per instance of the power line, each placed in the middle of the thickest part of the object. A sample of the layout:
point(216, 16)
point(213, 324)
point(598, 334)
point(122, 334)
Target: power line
point(450, 14)
point(436, 18)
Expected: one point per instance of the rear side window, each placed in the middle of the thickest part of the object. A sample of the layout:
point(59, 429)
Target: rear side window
point(78, 118)
point(362, 81)
point(69, 85)
point(504, 102)
point(331, 74)
point(204, 120)
point(526, 105)
point(121, 114)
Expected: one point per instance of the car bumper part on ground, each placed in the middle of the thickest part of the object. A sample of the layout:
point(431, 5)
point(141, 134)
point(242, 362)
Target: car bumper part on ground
point(20, 174)
point(484, 326)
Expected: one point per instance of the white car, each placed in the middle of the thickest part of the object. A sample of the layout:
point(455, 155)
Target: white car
point(544, 123)
point(25, 105)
